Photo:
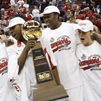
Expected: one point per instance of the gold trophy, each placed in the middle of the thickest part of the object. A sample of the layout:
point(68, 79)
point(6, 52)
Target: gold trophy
point(48, 90)
point(32, 29)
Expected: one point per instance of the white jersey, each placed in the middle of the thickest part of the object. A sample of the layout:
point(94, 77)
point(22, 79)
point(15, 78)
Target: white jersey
point(35, 13)
point(12, 2)
point(23, 84)
point(5, 93)
point(90, 64)
point(20, 2)
point(63, 41)
point(27, 6)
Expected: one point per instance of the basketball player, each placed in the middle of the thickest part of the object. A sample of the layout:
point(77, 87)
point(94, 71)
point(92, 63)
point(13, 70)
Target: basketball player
point(89, 55)
point(5, 91)
point(63, 40)
point(21, 70)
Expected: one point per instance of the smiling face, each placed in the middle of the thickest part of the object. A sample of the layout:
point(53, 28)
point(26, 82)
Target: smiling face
point(51, 20)
point(85, 37)
point(15, 31)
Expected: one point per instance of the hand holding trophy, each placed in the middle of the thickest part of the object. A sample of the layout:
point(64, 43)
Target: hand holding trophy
point(48, 90)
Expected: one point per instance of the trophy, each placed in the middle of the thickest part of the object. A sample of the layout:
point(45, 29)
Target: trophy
point(48, 90)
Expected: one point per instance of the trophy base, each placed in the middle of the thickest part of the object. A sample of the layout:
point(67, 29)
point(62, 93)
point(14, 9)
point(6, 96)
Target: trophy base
point(50, 94)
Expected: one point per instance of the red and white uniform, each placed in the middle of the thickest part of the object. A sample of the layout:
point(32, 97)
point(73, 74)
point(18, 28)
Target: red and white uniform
point(65, 8)
point(90, 64)
point(11, 12)
point(23, 84)
point(2, 24)
point(28, 17)
point(89, 13)
point(5, 93)
point(63, 41)
point(23, 9)
point(6, 16)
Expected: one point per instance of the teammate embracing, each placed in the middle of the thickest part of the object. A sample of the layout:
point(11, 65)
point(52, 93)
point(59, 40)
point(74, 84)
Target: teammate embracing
point(89, 55)
point(5, 91)
point(62, 38)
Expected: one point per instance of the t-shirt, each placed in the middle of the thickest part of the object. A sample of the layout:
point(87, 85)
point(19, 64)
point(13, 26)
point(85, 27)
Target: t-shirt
point(23, 84)
point(90, 64)
point(5, 90)
point(35, 13)
point(63, 42)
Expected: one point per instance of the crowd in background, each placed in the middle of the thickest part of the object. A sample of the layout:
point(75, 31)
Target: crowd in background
point(71, 11)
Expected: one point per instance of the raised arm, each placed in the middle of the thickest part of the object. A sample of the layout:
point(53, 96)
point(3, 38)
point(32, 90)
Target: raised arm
point(23, 56)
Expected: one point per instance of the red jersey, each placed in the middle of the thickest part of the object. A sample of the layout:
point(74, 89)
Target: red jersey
point(5, 16)
point(99, 24)
point(11, 11)
point(23, 9)
point(69, 16)
point(89, 13)
point(66, 8)
point(28, 17)
point(81, 16)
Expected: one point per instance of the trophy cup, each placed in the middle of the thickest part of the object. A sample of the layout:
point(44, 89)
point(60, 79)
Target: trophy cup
point(47, 90)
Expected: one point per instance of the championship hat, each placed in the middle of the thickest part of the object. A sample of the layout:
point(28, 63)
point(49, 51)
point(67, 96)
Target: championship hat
point(85, 25)
point(14, 21)
point(51, 9)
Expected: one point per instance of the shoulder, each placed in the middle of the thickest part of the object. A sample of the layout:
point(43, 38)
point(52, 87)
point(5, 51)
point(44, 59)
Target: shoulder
point(79, 46)
point(70, 25)
point(13, 45)
point(73, 25)
point(2, 46)
point(44, 33)
point(97, 44)
point(46, 30)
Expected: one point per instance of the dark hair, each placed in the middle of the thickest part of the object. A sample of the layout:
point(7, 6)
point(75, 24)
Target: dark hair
point(56, 13)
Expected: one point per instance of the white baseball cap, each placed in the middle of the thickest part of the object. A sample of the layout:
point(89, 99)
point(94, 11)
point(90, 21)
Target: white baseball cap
point(51, 9)
point(85, 25)
point(14, 21)
point(2, 9)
